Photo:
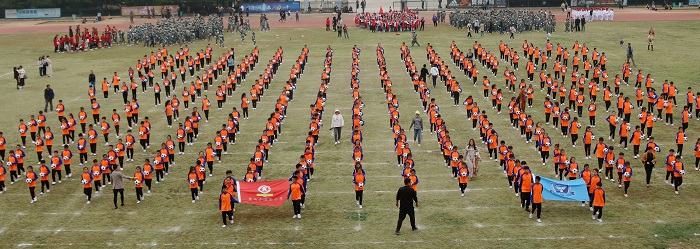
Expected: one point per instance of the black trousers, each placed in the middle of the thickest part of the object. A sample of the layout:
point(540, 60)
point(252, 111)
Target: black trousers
point(226, 214)
point(525, 200)
point(88, 193)
point(358, 196)
point(648, 169)
point(538, 207)
point(297, 206)
point(194, 192)
point(139, 194)
point(599, 210)
point(402, 216)
point(121, 194)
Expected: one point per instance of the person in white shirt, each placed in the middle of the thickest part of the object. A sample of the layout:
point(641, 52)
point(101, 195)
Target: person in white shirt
point(337, 124)
point(434, 73)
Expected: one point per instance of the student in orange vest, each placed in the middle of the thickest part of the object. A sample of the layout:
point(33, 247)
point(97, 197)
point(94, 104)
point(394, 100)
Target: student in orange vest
point(226, 201)
point(295, 192)
point(31, 182)
point(44, 173)
point(678, 172)
point(463, 175)
point(626, 176)
point(359, 182)
point(525, 185)
point(598, 202)
point(536, 199)
point(193, 181)
point(138, 184)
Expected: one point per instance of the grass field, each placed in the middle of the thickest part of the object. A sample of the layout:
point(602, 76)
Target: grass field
point(488, 216)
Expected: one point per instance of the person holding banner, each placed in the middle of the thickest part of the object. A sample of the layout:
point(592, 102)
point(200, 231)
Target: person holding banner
point(295, 192)
point(598, 201)
point(226, 202)
point(592, 183)
point(526, 181)
point(536, 198)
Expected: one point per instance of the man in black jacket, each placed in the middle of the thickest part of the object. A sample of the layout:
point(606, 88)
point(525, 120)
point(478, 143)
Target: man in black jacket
point(48, 97)
point(423, 72)
point(91, 79)
point(406, 196)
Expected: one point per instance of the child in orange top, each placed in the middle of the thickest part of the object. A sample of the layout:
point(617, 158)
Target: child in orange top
point(31, 182)
point(138, 184)
point(295, 192)
point(226, 201)
point(536, 198)
point(463, 175)
point(598, 201)
point(86, 181)
point(359, 181)
point(193, 181)
point(44, 173)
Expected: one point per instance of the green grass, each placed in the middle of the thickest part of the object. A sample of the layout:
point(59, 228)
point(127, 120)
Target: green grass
point(488, 216)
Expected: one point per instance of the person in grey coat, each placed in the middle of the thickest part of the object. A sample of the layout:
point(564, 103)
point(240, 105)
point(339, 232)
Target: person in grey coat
point(118, 184)
point(337, 124)
point(630, 54)
point(417, 125)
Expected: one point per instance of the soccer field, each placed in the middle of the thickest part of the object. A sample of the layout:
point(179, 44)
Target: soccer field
point(488, 216)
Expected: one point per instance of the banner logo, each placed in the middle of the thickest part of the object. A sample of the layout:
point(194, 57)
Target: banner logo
point(264, 191)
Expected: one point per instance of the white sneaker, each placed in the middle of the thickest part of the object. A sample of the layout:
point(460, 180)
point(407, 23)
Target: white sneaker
point(224, 225)
point(53, 183)
point(197, 197)
point(231, 221)
point(192, 201)
point(137, 202)
point(462, 194)
point(600, 220)
point(294, 217)
point(299, 216)
point(676, 192)
point(592, 217)
point(209, 174)
point(530, 216)
point(583, 204)
point(148, 192)
point(590, 208)
point(88, 202)
point(539, 221)
point(625, 195)
point(360, 206)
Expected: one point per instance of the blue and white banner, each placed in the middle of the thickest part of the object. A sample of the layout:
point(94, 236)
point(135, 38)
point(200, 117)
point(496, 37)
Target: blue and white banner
point(32, 13)
point(272, 7)
point(573, 190)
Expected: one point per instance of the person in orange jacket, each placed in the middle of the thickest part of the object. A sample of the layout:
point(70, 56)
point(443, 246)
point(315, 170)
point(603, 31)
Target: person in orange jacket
point(295, 192)
point(193, 181)
point(598, 202)
point(536, 199)
point(226, 201)
point(359, 181)
point(86, 180)
point(31, 182)
point(678, 172)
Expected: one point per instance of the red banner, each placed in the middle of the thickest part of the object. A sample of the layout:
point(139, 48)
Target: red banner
point(270, 193)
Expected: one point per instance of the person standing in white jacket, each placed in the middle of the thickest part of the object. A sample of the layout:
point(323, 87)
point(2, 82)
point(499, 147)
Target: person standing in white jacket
point(337, 125)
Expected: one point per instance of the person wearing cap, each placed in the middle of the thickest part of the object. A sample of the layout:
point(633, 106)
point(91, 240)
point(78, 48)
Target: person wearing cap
point(417, 125)
point(337, 125)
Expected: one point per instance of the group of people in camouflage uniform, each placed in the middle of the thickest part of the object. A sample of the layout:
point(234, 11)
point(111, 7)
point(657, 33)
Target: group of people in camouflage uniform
point(503, 20)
